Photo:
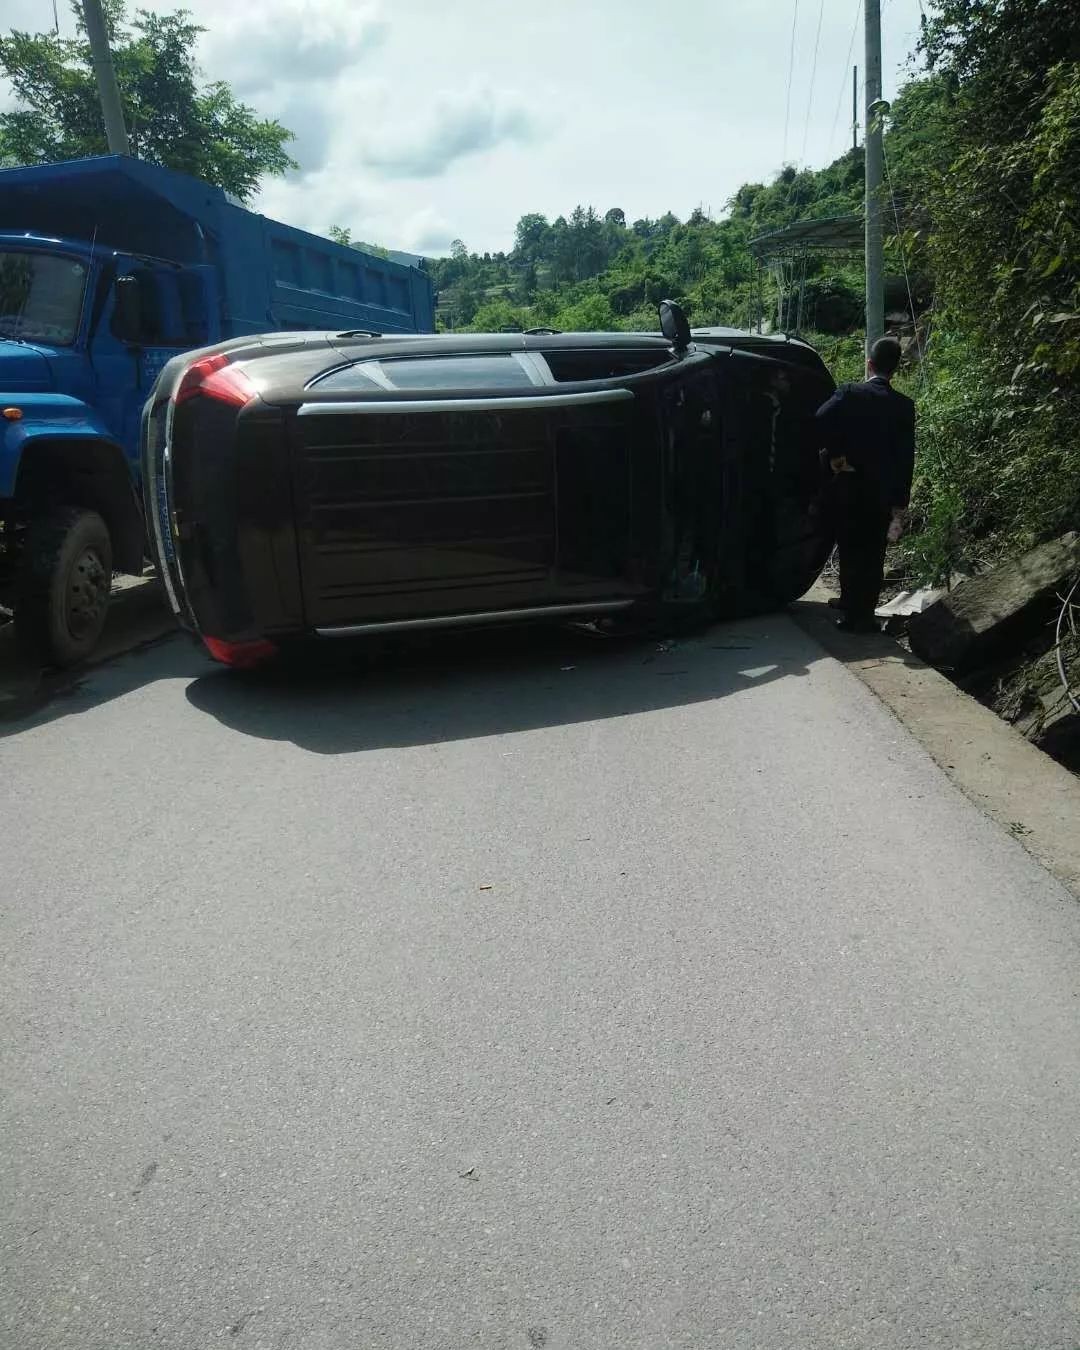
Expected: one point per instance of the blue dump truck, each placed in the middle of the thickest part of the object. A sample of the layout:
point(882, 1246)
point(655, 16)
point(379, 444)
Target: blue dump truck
point(109, 267)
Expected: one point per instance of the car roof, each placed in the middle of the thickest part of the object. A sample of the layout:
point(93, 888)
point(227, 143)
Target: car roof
point(360, 346)
point(295, 359)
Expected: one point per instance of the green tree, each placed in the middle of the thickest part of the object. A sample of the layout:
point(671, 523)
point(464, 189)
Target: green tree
point(498, 316)
point(530, 238)
point(591, 314)
point(171, 119)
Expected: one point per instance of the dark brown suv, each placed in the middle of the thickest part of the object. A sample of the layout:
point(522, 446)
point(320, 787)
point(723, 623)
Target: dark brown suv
point(334, 484)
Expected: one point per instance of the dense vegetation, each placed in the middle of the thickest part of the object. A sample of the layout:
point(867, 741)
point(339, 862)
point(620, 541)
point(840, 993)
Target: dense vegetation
point(983, 151)
point(591, 271)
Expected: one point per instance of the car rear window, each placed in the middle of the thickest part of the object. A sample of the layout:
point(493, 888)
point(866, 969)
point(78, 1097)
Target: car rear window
point(434, 372)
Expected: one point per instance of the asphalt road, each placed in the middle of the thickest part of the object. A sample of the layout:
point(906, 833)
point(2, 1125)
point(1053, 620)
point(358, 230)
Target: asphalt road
point(525, 992)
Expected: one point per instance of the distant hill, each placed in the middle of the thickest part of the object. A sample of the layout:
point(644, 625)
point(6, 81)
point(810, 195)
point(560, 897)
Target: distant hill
point(593, 271)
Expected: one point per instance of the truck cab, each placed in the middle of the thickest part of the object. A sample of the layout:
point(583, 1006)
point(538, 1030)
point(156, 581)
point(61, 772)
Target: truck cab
point(109, 268)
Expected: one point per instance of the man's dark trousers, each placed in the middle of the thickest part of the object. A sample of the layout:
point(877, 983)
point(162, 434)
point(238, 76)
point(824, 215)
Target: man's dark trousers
point(862, 536)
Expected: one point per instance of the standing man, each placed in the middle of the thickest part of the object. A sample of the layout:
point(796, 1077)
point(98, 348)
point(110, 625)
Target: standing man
point(868, 431)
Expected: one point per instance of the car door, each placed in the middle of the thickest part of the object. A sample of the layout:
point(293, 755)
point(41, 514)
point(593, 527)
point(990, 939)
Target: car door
point(677, 477)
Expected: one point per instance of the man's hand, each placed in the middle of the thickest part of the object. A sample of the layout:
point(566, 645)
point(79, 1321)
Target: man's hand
point(896, 525)
point(839, 464)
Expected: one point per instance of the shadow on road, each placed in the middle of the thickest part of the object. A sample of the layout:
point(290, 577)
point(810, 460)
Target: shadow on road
point(814, 617)
point(47, 696)
point(464, 686)
point(138, 621)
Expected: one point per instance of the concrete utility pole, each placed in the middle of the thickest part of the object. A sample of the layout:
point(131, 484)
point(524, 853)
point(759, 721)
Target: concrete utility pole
point(108, 90)
point(875, 260)
point(854, 107)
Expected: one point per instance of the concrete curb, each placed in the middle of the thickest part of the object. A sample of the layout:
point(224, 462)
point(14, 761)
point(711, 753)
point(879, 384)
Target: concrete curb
point(1034, 798)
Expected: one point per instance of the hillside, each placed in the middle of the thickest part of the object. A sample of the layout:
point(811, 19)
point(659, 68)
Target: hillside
point(983, 210)
point(593, 271)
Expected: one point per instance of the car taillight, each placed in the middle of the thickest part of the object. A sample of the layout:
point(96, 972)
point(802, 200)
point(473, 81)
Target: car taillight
point(240, 655)
point(213, 377)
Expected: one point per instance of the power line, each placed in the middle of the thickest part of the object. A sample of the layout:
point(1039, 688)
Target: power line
point(904, 262)
point(847, 67)
point(790, 73)
point(813, 77)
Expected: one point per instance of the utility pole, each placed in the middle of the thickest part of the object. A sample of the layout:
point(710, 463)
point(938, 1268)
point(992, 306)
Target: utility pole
point(854, 107)
point(875, 260)
point(108, 90)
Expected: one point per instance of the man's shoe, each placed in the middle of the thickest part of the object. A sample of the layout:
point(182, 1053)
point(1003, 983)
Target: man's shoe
point(836, 602)
point(850, 625)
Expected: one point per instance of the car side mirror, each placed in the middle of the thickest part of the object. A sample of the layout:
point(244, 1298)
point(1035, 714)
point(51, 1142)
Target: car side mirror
point(674, 325)
point(127, 321)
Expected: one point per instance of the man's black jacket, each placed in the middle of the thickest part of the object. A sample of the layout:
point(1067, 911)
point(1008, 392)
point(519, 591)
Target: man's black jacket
point(873, 426)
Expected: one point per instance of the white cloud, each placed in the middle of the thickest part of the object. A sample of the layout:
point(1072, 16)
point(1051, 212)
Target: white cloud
point(298, 42)
point(426, 231)
point(329, 196)
point(311, 123)
point(459, 124)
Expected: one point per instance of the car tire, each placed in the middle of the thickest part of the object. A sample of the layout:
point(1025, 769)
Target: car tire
point(63, 595)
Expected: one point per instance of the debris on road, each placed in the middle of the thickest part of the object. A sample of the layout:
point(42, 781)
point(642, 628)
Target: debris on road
point(906, 603)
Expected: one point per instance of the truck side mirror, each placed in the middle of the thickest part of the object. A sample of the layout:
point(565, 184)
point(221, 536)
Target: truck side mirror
point(127, 320)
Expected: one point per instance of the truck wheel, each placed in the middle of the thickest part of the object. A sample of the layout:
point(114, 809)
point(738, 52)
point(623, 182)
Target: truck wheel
point(63, 596)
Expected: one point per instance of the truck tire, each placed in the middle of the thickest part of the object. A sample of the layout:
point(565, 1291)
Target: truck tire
point(63, 594)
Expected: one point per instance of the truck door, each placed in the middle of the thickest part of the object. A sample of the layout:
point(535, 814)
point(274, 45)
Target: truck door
point(152, 313)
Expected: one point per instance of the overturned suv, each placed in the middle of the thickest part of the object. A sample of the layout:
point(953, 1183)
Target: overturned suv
point(326, 485)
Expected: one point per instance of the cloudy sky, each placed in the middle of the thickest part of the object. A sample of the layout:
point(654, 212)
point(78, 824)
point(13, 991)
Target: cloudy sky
point(422, 121)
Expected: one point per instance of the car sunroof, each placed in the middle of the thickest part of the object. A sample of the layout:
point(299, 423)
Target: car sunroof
point(496, 371)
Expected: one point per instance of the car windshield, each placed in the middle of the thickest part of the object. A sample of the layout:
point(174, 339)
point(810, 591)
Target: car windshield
point(40, 297)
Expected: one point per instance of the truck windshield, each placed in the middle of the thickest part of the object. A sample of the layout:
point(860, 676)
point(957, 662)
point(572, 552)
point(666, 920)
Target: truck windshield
point(40, 297)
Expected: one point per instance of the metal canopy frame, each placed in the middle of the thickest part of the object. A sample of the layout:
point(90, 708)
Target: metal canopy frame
point(785, 253)
point(838, 234)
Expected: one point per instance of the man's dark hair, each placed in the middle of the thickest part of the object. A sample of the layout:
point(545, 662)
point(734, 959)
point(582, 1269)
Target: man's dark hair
point(885, 356)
